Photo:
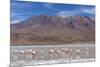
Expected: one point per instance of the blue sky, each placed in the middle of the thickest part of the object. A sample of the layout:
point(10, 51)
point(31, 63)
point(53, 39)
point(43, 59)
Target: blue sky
point(21, 10)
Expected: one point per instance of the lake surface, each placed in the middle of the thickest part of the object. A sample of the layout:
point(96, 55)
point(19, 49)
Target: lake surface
point(80, 53)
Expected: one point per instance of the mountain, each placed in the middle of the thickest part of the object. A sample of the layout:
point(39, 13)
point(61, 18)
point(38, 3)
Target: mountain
point(43, 29)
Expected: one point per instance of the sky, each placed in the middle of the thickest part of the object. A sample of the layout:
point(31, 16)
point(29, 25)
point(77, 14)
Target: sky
point(22, 10)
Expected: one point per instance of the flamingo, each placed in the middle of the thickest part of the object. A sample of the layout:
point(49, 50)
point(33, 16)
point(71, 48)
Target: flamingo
point(58, 52)
point(54, 53)
point(34, 53)
point(67, 51)
point(51, 53)
point(30, 53)
point(20, 53)
point(78, 53)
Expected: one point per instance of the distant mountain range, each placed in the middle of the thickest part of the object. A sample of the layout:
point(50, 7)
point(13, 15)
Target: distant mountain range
point(43, 29)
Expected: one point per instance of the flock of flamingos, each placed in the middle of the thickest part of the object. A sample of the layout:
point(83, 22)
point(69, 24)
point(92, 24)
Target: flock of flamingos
point(52, 53)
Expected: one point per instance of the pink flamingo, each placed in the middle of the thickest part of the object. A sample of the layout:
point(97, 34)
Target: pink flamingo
point(55, 53)
point(34, 53)
point(51, 53)
point(67, 51)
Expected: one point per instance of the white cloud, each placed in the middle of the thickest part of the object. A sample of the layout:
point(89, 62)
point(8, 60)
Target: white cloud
point(51, 6)
point(15, 21)
point(90, 11)
point(67, 13)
